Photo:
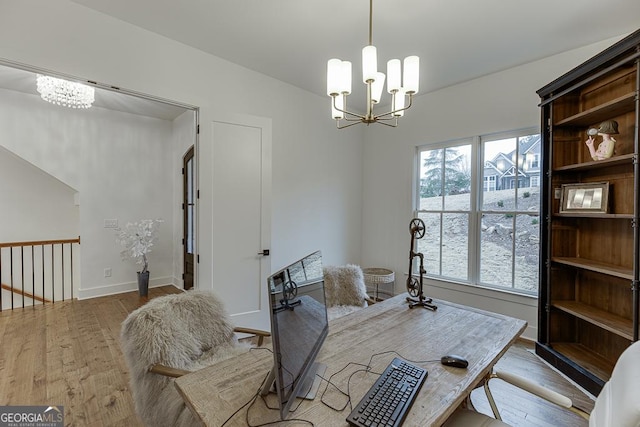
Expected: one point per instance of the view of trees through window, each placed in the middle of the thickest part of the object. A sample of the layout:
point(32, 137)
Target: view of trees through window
point(482, 229)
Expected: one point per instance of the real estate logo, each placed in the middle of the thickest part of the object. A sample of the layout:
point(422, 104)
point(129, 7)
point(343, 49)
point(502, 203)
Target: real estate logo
point(31, 416)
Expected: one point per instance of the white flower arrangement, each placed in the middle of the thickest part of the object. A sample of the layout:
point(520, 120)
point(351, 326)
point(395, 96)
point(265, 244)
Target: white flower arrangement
point(137, 239)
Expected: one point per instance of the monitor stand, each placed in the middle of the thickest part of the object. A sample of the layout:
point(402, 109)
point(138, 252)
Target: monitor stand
point(310, 383)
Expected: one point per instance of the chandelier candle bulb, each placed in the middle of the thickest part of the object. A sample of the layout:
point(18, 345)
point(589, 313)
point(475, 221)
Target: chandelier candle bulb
point(369, 63)
point(346, 78)
point(334, 68)
point(393, 75)
point(411, 74)
point(398, 103)
point(376, 88)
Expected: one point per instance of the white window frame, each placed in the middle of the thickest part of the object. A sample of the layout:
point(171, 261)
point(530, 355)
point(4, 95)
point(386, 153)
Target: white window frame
point(475, 214)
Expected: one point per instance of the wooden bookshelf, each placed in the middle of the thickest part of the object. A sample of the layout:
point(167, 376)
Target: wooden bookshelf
point(590, 261)
point(594, 265)
point(586, 358)
point(615, 107)
point(601, 318)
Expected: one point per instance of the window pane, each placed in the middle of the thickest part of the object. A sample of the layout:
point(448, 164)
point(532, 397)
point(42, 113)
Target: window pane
point(529, 148)
point(457, 178)
point(529, 172)
point(190, 241)
point(190, 226)
point(297, 273)
point(527, 253)
point(190, 181)
point(499, 175)
point(429, 245)
point(455, 246)
point(496, 248)
point(431, 190)
point(505, 250)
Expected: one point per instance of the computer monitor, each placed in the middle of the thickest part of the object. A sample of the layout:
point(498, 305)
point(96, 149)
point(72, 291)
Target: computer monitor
point(299, 326)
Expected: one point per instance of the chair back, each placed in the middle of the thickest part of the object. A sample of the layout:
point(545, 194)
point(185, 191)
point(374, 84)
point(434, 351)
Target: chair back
point(182, 331)
point(344, 285)
point(618, 404)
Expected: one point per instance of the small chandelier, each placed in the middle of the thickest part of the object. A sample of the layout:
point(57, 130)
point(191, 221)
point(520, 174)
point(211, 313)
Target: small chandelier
point(63, 92)
point(339, 85)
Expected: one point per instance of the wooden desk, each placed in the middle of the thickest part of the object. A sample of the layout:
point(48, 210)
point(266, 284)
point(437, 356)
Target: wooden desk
point(214, 393)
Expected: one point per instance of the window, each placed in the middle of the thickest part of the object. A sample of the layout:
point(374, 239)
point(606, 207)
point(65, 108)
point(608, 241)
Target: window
point(482, 223)
point(489, 183)
point(535, 163)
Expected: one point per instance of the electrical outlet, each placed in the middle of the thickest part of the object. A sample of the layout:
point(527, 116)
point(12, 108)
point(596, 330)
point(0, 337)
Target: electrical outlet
point(107, 272)
point(110, 223)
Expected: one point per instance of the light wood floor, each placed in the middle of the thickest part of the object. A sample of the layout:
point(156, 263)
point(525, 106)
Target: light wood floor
point(521, 409)
point(68, 354)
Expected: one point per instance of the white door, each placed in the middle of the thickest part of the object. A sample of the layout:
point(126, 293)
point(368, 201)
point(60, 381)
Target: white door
point(240, 174)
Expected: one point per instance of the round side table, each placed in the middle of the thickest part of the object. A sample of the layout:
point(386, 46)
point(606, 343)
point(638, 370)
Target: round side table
point(377, 276)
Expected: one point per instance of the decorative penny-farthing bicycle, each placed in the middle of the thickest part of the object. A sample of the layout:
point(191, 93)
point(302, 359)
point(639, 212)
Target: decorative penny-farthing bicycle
point(414, 286)
point(289, 292)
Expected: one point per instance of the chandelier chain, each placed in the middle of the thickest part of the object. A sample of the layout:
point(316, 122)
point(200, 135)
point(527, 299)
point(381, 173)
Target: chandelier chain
point(370, 22)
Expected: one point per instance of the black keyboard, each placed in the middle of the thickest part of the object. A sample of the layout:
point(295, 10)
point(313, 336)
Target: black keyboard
point(389, 399)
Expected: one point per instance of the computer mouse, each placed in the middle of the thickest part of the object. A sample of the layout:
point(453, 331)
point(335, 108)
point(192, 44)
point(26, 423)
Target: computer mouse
point(454, 360)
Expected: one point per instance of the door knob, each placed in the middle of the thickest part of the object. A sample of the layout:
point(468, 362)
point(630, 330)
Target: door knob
point(265, 252)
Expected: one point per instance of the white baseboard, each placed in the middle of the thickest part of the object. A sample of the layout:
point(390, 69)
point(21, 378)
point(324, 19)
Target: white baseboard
point(101, 291)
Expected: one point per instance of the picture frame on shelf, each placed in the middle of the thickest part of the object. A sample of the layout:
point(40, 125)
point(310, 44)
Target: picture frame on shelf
point(588, 197)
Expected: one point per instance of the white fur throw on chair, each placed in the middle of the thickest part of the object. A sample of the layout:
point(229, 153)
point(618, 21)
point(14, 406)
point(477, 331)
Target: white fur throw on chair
point(345, 289)
point(186, 331)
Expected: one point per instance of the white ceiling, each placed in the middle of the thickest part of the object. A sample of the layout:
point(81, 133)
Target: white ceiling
point(457, 40)
point(291, 40)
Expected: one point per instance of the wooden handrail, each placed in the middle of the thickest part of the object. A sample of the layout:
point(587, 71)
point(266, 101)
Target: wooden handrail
point(24, 293)
point(39, 243)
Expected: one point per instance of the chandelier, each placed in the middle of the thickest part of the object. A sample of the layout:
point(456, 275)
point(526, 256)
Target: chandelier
point(400, 86)
point(63, 92)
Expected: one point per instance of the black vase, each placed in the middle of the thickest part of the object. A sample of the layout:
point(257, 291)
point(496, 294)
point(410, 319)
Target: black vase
point(143, 283)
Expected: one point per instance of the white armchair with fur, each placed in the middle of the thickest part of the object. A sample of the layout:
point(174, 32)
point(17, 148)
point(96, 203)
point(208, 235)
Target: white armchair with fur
point(168, 337)
point(345, 290)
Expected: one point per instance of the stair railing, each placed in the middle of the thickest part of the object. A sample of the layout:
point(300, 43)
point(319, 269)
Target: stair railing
point(37, 272)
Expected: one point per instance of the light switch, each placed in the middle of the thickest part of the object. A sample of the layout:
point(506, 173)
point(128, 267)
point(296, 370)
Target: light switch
point(110, 223)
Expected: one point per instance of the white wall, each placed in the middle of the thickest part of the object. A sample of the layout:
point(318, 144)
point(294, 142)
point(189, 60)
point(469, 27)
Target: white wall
point(317, 171)
point(498, 102)
point(330, 191)
point(42, 205)
point(119, 163)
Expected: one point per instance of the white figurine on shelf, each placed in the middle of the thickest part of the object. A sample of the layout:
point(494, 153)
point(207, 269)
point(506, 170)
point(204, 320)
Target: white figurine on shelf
point(605, 148)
